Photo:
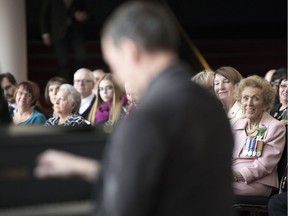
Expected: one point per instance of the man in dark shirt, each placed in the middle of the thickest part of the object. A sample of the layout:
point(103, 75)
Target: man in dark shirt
point(173, 155)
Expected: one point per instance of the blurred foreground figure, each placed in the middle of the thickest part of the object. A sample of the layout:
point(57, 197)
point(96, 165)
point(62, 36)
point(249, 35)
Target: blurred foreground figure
point(166, 159)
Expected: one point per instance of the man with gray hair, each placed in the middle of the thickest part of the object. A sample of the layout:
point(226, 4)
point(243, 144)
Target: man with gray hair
point(84, 83)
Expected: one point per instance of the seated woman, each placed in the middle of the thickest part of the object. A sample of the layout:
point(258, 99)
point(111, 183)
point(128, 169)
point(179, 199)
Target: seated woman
point(225, 80)
point(279, 111)
point(66, 106)
point(108, 107)
point(259, 139)
point(26, 95)
point(51, 90)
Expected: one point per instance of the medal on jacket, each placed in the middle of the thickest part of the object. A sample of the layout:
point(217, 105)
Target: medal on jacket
point(246, 146)
point(251, 146)
point(260, 140)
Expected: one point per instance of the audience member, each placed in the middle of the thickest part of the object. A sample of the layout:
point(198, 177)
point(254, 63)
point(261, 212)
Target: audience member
point(108, 108)
point(225, 80)
point(66, 106)
point(279, 111)
point(132, 100)
point(98, 75)
point(269, 74)
point(157, 162)
point(9, 85)
point(279, 74)
point(26, 95)
point(5, 117)
point(83, 82)
point(51, 90)
point(63, 24)
point(205, 79)
point(259, 139)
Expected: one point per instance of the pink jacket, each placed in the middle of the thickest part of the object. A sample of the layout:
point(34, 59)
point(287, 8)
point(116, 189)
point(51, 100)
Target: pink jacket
point(261, 169)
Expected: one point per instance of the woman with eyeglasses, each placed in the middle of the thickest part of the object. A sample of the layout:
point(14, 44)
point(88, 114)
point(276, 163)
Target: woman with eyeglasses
point(259, 139)
point(279, 111)
point(26, 96)
point(108, 107)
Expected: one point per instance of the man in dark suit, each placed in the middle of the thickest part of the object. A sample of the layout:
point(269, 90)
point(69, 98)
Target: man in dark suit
point(63, 24)
point(173, 155)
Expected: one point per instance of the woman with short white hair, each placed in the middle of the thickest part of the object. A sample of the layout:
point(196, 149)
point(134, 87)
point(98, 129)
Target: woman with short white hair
point(66, 106)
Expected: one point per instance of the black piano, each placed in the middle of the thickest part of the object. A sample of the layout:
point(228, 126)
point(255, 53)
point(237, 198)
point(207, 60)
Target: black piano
point(23, 194)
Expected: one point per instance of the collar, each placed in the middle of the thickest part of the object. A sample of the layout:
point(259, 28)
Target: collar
point(265, 120)
point(87, 99)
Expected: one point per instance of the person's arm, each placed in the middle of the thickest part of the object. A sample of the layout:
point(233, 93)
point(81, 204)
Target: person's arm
point(60, 164)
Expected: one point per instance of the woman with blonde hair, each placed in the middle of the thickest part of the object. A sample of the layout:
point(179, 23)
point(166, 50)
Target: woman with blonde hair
point(259, 139)
point(205, 79)
point(108, 107)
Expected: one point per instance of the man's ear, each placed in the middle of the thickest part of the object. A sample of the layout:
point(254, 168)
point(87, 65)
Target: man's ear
point(131, 50)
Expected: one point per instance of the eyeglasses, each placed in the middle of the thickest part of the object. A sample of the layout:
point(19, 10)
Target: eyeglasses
point(85, 81)
point(106, 88)
point(25, 94)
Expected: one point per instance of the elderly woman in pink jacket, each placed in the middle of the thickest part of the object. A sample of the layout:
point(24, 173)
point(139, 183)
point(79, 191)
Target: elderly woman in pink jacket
point(259, 139)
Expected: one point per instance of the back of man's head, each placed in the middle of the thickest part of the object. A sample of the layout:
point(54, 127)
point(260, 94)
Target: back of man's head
point(148, 24)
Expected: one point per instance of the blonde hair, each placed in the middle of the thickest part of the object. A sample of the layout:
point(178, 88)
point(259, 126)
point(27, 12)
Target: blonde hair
point(268, 93)
point(204, 78)
point(115, 110)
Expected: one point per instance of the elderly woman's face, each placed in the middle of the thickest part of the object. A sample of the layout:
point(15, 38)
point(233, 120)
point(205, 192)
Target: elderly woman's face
point(62, 106)
point(23, 97)
point(106, 90)
point(224, 88)
point(252, 103)
point(283, 91)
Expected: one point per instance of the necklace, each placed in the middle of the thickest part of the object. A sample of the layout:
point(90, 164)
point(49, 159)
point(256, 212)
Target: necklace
point(250, 131)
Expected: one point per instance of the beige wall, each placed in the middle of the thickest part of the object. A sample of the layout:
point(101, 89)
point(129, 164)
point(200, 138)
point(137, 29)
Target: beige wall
point(13, 39)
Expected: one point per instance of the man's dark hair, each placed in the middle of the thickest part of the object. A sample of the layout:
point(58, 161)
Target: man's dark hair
point(5, 117)
point(9, 76)
point(148, 24)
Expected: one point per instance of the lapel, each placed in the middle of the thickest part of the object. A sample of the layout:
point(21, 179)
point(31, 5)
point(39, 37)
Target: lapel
point(239, 129)
point(265, 122)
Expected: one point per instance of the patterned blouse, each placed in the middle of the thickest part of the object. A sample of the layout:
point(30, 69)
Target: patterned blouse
point(73, 120)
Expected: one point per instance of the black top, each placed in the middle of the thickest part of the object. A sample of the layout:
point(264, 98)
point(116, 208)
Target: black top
point(278, 114)
point(172, 156)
